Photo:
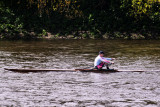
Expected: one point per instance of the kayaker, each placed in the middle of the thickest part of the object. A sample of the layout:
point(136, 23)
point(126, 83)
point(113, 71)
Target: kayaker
point(100, 61)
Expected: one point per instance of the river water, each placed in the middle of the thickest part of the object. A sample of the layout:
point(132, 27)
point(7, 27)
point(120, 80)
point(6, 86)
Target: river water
point(77, 89)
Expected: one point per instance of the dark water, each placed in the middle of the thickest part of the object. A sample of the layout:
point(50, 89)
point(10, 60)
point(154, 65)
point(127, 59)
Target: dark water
point(76, 89)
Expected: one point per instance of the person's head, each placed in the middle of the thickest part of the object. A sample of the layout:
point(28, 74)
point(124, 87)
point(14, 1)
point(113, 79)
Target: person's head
point(101, 53)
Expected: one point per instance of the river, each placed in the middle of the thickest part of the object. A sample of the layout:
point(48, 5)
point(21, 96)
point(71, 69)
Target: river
point(77, 89)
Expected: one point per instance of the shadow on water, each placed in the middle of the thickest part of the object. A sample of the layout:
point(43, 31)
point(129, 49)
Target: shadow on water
point(76, 88)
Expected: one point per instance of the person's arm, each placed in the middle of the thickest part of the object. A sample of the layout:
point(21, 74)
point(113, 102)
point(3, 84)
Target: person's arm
point(105, 60)
point(110, 59)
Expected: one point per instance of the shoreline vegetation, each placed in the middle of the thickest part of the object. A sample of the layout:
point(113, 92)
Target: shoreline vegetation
point(79, 19)
point(111, 36)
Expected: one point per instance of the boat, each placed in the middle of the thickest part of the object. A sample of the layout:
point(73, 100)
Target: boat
point(71, 70)
point(40, 70)
point(97, 70)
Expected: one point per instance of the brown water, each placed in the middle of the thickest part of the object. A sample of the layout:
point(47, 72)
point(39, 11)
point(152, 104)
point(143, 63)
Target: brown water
point(77, 89)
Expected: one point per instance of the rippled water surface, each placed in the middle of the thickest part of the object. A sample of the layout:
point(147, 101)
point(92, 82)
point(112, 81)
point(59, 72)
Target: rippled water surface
point(77, 89)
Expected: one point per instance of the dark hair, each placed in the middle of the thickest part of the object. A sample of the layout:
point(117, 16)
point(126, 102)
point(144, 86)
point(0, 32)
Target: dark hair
point(101, 52)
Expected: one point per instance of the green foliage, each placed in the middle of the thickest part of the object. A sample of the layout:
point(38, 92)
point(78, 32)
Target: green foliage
point(10, 26)
point(85, 35)
point(44, 32)
point(20, 18)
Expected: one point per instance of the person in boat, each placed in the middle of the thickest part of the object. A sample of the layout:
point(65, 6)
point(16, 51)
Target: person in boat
point(100, 61)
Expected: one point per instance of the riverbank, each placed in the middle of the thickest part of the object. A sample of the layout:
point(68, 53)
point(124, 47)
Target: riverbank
point(115, 35)
point(84, 35)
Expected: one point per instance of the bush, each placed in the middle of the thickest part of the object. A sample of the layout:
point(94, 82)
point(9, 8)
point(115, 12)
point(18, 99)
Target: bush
point(10, 26)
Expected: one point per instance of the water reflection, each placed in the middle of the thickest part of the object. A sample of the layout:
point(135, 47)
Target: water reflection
point(76, 88)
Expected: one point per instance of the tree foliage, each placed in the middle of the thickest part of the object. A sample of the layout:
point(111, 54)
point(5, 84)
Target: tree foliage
point(81, 17)
point(145, 7)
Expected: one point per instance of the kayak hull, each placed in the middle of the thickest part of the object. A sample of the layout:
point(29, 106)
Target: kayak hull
point(97, 70)
point(71, 70)
point(61, 70)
